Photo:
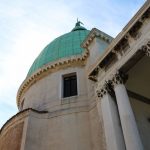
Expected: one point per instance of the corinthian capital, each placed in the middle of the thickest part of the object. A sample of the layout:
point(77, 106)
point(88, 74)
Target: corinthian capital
point(102, 91)
point(119, 78)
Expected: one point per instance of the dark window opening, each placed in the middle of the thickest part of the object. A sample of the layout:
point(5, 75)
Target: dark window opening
point(70, 85)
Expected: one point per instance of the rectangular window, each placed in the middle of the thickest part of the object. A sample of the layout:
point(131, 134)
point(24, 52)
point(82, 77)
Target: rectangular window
point(70, 85)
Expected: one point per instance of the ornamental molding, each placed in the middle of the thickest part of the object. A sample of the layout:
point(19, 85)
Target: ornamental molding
point(101, 92)
point(104, 89)
point(119, 46)
point(107, 86)
point(146, 49)
point(95, 33)
point(118, 78)
point(18, 118)
point(13, 121)
point(50, 67)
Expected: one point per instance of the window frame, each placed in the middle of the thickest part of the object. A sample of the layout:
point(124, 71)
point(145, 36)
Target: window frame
point(63, 84)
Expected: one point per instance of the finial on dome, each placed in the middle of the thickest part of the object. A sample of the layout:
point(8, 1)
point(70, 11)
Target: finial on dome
point(78, 23)
point(78, 26)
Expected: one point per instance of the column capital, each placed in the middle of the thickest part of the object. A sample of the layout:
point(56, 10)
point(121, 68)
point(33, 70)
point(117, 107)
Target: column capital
point(119, 78)
point(103, 90)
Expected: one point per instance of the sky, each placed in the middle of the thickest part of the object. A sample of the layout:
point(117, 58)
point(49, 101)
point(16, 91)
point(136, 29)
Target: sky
point(27, 26)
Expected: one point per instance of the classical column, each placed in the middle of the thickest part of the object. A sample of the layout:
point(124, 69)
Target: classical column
point(129, 127)
point(112, 127)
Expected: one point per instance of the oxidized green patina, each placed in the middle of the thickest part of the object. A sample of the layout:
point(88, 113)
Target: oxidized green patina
point(64, 46)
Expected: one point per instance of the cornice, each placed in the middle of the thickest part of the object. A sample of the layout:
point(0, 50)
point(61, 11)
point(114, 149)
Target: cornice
point(95, 33)
point(18, 118)
point(121, 42)
point(40, 73)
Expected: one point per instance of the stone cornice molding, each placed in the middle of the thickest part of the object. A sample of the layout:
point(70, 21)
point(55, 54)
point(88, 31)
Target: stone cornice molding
point(95, 33)
point(116, 74)
point(29, 81)
point(139, 16)
point(119, 45)
point(19, 117)
point(22, 115)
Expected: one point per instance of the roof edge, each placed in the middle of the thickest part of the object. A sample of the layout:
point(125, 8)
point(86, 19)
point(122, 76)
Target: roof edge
point(124, 33)
point(30, 80)
point(95, 33)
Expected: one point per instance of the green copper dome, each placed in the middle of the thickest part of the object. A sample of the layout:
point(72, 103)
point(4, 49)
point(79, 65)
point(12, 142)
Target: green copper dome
point(64, 46)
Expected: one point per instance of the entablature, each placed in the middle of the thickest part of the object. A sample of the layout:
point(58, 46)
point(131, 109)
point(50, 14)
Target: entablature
point(121, 45)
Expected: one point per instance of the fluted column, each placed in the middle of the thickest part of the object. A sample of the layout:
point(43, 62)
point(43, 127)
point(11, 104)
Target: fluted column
point(113, 132)
point(130, 131)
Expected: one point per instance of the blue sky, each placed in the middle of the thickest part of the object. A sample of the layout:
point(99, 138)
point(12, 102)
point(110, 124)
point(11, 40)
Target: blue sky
point(27, 26)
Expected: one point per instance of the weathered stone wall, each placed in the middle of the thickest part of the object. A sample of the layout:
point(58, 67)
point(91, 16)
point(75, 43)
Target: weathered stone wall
point(63, 132)
point(97, 131)
point(96, 49)
point(11, 140)
point(46, 94)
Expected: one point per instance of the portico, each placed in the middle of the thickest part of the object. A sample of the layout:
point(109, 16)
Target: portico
point(122, 76)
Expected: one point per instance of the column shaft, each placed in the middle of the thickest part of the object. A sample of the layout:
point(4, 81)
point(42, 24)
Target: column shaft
point(112, 127)
point(130, 131)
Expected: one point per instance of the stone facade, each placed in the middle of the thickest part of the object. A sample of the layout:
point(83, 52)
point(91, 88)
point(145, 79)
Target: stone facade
point(111, 109)
point(12, 138)
point(122, 74)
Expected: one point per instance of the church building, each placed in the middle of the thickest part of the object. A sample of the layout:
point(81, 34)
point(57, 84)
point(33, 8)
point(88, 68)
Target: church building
point(86, 91)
